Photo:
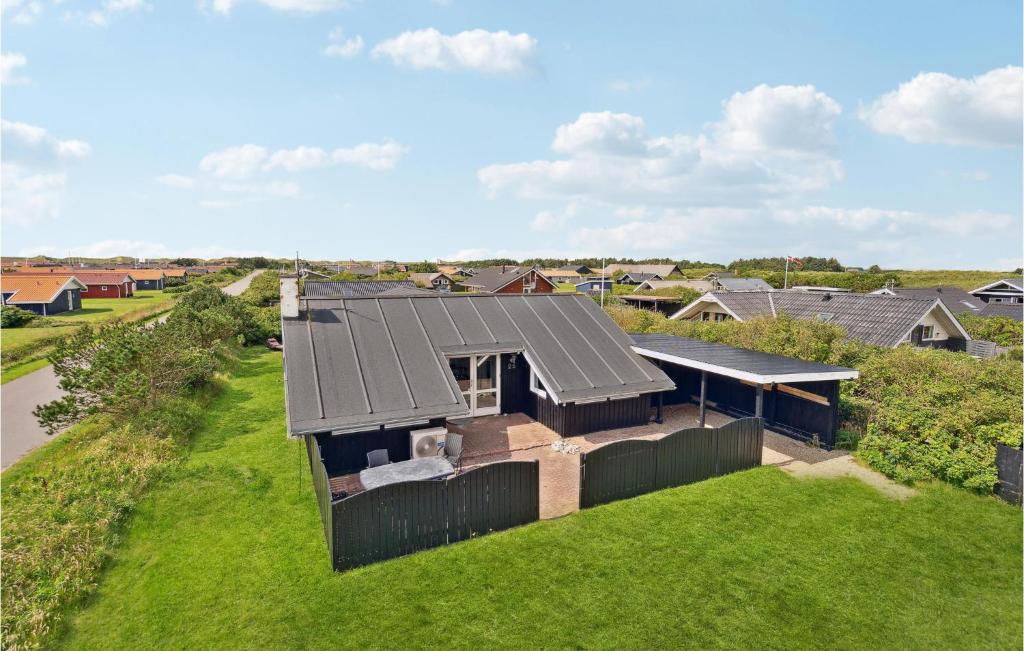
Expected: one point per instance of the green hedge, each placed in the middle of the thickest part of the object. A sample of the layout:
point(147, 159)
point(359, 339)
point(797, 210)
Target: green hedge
point(918, 413)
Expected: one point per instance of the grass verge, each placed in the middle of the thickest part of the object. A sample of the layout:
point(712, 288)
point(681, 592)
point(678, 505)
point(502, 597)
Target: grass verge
point(24, 367)
point(228, 552)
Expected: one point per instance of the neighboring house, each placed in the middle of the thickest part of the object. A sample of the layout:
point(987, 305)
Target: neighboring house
point(593, 285)
point(362, 373)
point(875, 319)
point(733, 284)
point(562, 275)
point(148, 278)
point(822, 288)
point(197, 271)
point(1013, 311)
point(43, 294)
point(636, 278)
point(179, 274)
point(580, 269)
point(509, 280)
point(347, 288)
point(667, 305)
point(106, 284)
point(440, 281)
point(715, 275)
point(662, 270)
point(955, 299)
point(654, 285)
point(1007, 290)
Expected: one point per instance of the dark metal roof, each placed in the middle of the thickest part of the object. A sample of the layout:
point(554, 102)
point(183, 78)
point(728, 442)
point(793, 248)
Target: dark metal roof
point(955, 299)
point(736, 362)
point(329, 288)
point(872, 318)
point(639, 277)
point(1014, 311)
point(356, 363)
point(490, 279)
point(732, 284)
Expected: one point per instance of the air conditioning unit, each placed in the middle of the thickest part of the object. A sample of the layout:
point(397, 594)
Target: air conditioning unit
point(427, 442)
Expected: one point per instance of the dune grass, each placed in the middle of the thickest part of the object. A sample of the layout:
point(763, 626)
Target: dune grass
point(228, 552)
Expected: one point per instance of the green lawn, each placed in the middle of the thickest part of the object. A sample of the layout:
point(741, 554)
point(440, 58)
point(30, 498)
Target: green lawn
point(94, 310)
point(228, 552)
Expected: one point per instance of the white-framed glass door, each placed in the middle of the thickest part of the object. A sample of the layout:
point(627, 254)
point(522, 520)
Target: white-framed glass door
point(479, 379)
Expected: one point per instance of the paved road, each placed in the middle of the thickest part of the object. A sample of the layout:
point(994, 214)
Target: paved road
point(19, 431)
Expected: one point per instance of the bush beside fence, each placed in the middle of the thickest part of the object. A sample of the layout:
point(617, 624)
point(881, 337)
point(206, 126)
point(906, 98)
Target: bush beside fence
point(633, 467)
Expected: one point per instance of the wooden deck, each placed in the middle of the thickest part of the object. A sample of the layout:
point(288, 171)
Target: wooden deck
point(348, 484)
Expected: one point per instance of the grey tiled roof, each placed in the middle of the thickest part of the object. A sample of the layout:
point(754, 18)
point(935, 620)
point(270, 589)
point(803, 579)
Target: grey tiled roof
point(742, 284)
point(490, 279)
point(325, 288)
point(955, 299)
point(1013, 310)
point(357, 363)
point(871, 318)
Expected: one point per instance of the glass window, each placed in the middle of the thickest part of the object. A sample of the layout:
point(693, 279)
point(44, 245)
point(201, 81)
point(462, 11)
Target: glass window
point(486, 370)
point(928, 332)
point(460, 369)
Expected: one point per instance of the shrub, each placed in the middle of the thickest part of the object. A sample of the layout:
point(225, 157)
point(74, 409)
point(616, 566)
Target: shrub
point(14, 317)
point(1000, 329)
point(914, 413)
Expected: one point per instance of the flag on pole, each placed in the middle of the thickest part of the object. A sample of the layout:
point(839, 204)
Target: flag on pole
point(798, 261)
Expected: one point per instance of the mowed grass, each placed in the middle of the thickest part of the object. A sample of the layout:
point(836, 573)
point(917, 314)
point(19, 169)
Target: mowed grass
point(94, 311)
point(229, 553)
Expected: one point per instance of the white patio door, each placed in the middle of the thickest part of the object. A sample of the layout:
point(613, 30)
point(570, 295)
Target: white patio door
point(480, 381)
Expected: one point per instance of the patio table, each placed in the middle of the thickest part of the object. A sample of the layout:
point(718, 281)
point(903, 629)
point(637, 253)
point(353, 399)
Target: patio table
point(411, 470)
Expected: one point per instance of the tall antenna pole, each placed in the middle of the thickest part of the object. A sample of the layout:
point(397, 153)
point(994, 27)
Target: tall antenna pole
point(785, 276)
point(602, 283)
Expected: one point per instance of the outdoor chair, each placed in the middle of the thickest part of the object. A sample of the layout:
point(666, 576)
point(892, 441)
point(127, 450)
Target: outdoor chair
point(377, 458)
point(453, 450)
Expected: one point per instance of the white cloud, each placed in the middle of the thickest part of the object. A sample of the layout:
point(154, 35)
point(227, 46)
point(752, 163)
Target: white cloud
point(19, 12)
point(554, 220)
point(375, 156)
point(33, 178)
point(341, 47)
point(976, 175)
point(477, 50)
point(177, 181)
point(898, 223)
point(28, 143)
point(29, 198)
point(224, 7)
point(300, 158)
point(234, 162)
point(934, 107)
point(9, 63)
point(141, 249)
point(107, 11)
point(750, 156)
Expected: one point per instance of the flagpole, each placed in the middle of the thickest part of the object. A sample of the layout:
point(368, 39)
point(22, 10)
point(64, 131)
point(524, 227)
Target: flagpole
point(785, 277)
point(602, 283)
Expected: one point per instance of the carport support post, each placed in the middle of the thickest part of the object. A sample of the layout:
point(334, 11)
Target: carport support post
point(759, 401)
point(703, 395)
point(657, 414)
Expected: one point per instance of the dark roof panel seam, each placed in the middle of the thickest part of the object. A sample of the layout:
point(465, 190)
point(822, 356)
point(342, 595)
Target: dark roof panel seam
point(444, 308)
point(359, 363)
point(526, 345)
point(586, 340)
point(394, 351)
point(483, 321)
point(437, 353)
point(629, 353)
point(544, 323)
point(316, 372)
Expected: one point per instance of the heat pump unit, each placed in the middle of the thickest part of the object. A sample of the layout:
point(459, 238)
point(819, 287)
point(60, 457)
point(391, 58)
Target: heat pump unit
point(427, 442)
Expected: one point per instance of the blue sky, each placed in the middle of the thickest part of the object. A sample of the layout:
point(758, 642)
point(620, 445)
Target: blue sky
point(884, 133)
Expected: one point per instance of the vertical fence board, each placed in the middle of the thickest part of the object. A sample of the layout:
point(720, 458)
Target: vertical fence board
point(632, 467)
point(406, 517)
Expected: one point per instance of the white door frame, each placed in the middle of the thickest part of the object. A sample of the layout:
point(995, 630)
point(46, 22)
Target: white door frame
point(473, 392)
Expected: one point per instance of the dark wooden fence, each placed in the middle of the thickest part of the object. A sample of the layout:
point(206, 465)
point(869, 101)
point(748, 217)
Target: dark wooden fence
point(322, 486)
point(1011, 473)
point(406, 517)
point(633, 467)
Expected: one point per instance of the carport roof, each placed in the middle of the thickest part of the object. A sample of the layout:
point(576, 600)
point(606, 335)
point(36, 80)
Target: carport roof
point(357, 363)
point(739, 363)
